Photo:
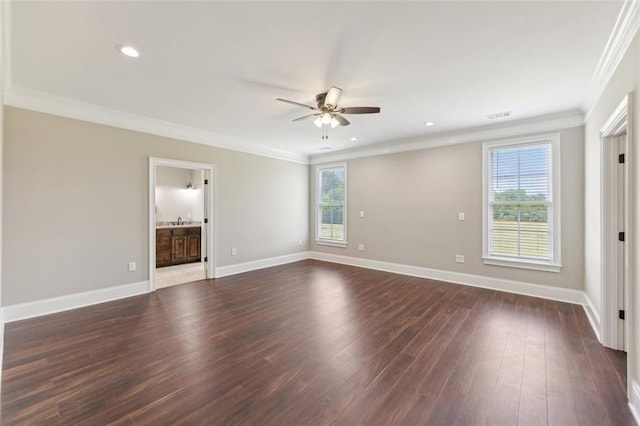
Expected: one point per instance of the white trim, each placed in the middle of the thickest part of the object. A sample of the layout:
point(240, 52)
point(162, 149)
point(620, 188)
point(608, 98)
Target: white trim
point(238, 268)
point(634, 401)
point(65, 107)
point(621, 120)
point(210, 212)
point(517, 287)
point(318, 169)
point(522, 264)
point(555, 264)
point(331, 243)
point(543, 124)
point(624, 30)
point(617, 122)
point(592, 315)
point(1, 341)
point(72, 301)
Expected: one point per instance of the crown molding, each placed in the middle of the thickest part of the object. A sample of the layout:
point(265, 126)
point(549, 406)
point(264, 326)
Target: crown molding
point(518, 128)
point(65, 107)
point(622, 35)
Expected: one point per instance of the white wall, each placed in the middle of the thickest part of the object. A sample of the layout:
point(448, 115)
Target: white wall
point(173, 199)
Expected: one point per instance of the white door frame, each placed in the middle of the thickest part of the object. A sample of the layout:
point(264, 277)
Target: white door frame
point(210, 213)
point(621, 121)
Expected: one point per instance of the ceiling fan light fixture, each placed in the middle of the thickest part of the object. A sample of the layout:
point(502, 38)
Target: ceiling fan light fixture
point(326, 118)
point(333, 97)
point(334, 123)
point(318, 121)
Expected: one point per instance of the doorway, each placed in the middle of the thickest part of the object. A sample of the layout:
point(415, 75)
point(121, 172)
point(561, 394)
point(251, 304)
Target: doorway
point(617, 233)
point(181, 225)
point(614, 234)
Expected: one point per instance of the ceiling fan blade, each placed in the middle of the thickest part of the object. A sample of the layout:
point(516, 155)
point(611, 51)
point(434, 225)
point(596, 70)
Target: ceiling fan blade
point(297, 103)
point(359, 110)
point(333, 97)
point(343, 121)
point(304, 117)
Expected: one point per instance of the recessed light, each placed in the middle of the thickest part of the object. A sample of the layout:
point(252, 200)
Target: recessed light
point(429, 123)
point(353, 139)
point(129, 51)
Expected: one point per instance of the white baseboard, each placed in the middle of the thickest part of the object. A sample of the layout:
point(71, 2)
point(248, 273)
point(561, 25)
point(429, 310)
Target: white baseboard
point(634, 401)
point(1, 340)
point(72, 301)
point(592, 315)
point(537, 290)
point(238, 268)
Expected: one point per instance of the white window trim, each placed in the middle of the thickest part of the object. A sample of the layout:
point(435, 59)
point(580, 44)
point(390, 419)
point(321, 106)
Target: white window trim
point(555, 264)
point(319, 169)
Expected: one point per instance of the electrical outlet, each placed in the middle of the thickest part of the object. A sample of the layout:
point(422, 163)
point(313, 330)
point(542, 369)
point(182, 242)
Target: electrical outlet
point(361, 247)
point(234, 252)
point(132, 266)
point(459, 258)
point(461, 216)
point(299, 242)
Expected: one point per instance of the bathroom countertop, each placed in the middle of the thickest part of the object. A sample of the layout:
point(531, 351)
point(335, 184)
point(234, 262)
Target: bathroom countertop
point(183, 224)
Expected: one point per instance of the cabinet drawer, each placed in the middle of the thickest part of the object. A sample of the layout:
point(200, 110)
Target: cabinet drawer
point(179, 232)
point(194, 231)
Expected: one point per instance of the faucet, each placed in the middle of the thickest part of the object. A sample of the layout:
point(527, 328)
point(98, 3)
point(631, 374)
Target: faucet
point(179, 220)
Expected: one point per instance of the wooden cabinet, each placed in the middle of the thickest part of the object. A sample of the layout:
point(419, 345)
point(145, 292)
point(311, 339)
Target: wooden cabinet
point(163, 247)
point(175, 246)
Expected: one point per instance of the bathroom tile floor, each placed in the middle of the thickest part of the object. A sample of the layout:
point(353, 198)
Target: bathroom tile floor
point(179, 274)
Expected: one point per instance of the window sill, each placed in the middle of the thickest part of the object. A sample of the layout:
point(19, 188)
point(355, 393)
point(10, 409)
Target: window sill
point(522, 264)
point(331, 243)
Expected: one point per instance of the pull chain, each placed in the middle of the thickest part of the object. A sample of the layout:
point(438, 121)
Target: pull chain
point(325, 132)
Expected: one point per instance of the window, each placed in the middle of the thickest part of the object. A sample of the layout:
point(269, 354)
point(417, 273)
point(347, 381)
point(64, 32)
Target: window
point(521, 204)
point(331, 227)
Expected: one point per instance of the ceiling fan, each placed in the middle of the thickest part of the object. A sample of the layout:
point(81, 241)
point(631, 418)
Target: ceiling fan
point(327, 111)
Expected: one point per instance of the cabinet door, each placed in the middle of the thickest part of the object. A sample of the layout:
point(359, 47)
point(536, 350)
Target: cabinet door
point(193, 249)
point(179, 249)
point(163, 247)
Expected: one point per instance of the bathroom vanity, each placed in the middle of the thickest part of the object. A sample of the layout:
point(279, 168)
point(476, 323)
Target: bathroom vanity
point(177, 244)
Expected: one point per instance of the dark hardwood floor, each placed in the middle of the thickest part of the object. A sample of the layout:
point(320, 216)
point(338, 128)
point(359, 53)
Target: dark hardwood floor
point(314, 343)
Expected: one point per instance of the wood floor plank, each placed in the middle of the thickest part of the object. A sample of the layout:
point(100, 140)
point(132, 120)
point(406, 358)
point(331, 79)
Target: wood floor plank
point(313, 343)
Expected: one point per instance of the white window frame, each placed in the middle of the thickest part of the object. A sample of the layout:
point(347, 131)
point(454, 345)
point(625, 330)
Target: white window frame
point(319, 170)
point(555, 264)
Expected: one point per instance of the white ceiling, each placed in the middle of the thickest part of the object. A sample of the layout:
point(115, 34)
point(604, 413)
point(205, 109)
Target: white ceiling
point(218, 67)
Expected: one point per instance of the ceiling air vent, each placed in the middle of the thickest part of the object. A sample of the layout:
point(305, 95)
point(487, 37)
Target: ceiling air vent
point(499, 115)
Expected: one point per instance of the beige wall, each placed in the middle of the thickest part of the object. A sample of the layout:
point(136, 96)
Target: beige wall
point(76, 204)
point(411, 202)
point(625, 79)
